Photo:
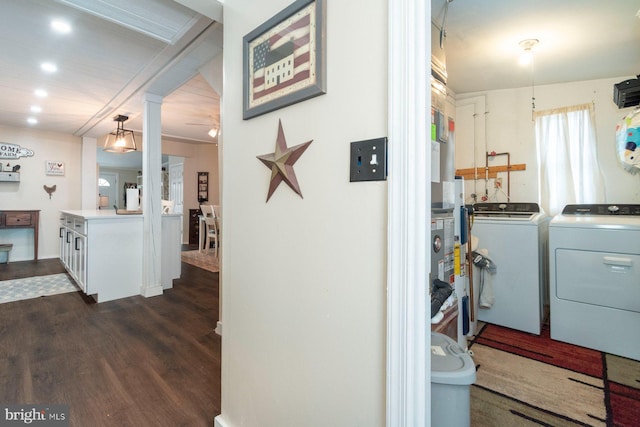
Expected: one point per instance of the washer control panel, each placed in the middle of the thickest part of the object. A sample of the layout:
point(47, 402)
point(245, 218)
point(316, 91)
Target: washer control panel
point(601, 209)
point(505, 209)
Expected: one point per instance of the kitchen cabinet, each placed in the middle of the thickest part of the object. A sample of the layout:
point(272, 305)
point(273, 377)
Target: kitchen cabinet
point(73, 248)
point(171, 265)
point(103, 252)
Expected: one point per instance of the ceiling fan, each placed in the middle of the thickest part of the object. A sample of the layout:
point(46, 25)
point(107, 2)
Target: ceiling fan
point(213, 128)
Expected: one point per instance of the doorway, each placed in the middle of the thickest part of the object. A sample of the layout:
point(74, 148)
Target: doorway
point(108, 186)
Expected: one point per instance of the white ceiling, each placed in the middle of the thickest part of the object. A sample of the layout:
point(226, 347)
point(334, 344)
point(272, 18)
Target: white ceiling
point(578, 40)
point(117, 50)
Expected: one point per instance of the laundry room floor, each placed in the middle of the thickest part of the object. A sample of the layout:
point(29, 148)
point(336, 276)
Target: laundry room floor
point(525, 379)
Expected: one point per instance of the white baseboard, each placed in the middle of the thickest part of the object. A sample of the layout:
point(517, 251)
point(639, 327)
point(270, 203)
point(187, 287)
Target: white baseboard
point(219, 328)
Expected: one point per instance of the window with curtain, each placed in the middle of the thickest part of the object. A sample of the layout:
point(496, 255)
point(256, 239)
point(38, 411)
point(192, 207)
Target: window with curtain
point(568, 169)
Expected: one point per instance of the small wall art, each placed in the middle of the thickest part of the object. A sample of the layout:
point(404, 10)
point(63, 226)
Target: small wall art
point(284, 59)
point(281, 162)
point(54, 167)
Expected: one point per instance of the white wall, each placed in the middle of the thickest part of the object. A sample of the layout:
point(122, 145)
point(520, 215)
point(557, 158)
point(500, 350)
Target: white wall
point(29, 194)
point(197, 158)
point(304, 279)
point(509, 128)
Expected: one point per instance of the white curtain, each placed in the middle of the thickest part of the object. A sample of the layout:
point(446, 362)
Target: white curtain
point(568, 169)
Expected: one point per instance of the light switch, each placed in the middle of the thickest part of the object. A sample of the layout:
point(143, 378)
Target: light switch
point(369, 160)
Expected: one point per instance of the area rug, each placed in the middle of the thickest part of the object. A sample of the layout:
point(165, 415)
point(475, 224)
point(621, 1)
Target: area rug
point(34, 287)
point(525, 379)
point(202, 260)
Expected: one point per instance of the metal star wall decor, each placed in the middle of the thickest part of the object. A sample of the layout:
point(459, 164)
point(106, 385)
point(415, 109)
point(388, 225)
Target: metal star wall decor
point(281, 163)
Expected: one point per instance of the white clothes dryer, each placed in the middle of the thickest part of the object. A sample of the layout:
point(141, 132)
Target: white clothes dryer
point(514, 236)
point(594, 260)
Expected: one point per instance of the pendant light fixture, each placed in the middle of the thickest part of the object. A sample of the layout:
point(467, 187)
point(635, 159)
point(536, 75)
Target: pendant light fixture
point(526, 58)
point(120, 140)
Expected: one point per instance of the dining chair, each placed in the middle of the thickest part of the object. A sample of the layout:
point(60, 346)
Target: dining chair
point(211, 233)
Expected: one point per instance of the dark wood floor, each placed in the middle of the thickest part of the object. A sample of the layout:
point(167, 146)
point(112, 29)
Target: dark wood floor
point(130, 362)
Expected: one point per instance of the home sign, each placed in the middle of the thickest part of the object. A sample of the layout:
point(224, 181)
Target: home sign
point(13, 151)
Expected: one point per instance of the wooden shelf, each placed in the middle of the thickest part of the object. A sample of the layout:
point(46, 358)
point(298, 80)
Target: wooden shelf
point(9, 176)
point(470, 173)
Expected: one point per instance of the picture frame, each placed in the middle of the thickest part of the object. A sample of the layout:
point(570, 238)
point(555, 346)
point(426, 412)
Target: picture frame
point(284, 59)
point(203, 187)
point(54, 167)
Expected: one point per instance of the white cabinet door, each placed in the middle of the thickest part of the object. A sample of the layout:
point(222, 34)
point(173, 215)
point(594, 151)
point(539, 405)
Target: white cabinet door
point(80, 260)
point(63, 235)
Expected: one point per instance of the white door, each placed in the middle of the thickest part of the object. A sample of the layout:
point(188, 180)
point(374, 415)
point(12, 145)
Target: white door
point(108, 186)
point(176, 184)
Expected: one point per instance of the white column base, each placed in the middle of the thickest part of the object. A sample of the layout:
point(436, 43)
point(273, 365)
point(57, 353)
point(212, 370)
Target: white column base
point(152, 291)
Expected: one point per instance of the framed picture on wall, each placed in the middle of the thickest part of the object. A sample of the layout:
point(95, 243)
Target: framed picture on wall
point(203, 187)
point(284, 59)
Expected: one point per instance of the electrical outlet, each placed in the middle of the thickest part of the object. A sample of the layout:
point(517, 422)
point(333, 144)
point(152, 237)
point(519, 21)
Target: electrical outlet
point(369, 160)
point(498, 182)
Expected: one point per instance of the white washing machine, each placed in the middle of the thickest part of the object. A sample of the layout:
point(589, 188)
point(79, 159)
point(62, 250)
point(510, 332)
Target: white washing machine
point(515, 237)
point(594, 260)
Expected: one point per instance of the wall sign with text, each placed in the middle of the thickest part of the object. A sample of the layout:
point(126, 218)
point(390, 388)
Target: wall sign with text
point(13, 151)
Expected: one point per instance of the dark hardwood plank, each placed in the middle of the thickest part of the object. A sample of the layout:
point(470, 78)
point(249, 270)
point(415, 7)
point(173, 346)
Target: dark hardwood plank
point(131, 362)
point(22, 269)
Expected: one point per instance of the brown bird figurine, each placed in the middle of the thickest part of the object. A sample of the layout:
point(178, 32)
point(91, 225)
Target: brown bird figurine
point(49, 190)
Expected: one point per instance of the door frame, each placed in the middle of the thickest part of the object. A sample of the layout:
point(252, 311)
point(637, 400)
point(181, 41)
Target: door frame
point(408, 369)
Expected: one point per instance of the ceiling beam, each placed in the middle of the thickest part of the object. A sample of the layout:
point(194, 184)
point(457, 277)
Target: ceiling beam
point(208, 8)
point(155, 78)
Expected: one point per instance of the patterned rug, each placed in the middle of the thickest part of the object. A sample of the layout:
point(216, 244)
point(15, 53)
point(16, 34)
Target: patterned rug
point(200, 259)
point(524, 379)
point(34, 287)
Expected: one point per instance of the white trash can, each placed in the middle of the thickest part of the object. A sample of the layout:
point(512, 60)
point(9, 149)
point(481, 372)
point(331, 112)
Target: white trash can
point(452, 373)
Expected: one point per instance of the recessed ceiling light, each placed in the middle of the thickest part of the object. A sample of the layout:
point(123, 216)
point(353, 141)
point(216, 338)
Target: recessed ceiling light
point(36, 109)
point(60, 26)
point(40, 93)
point(49, 67)
point(32, 120)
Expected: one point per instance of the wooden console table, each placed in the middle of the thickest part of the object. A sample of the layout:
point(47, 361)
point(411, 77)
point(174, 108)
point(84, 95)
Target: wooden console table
point(22, 219)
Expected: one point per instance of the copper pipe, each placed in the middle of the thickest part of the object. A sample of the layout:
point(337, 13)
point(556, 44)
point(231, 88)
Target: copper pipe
point(506, 153)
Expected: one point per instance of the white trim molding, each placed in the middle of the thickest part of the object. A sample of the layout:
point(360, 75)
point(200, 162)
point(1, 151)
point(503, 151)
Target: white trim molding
point(408, 336)
point(220, 422)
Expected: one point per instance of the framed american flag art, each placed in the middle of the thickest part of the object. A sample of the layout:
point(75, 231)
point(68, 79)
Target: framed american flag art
point(284, 59)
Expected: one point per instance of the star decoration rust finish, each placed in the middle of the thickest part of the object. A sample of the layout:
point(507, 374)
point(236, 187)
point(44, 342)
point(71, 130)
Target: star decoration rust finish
point(281, 163)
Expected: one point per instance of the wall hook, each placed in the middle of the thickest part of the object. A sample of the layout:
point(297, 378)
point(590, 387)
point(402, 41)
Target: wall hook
point(49, 190)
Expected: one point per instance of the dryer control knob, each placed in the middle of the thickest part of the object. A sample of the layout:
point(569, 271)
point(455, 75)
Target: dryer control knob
point(502, 206)
point(613, 209)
